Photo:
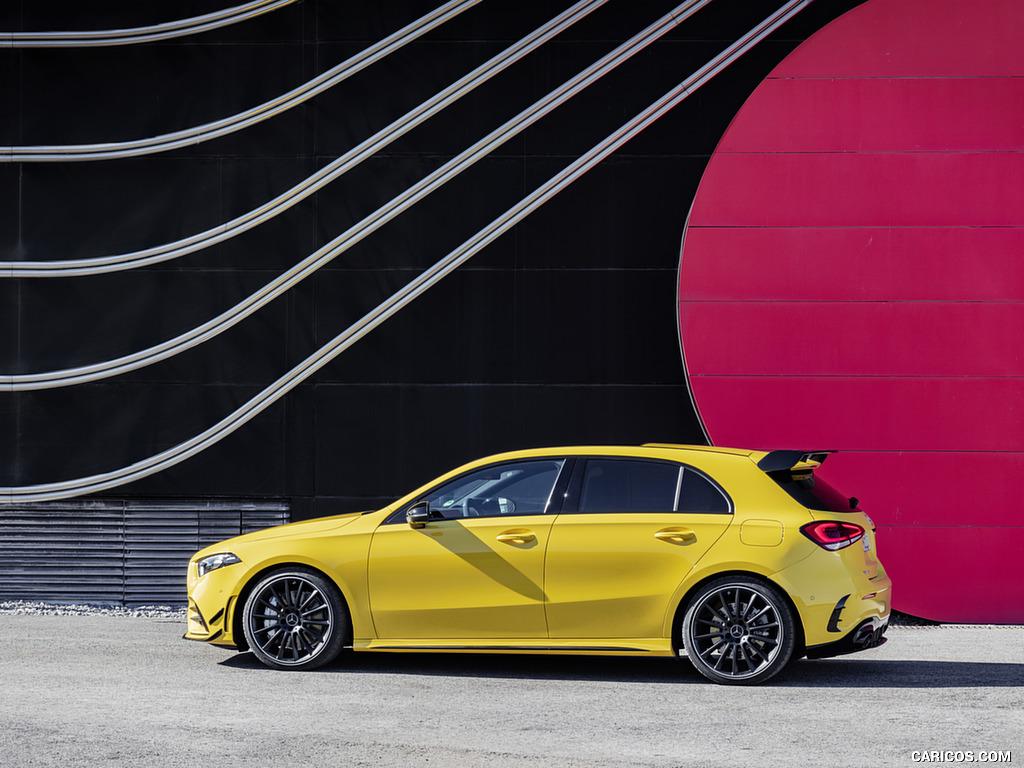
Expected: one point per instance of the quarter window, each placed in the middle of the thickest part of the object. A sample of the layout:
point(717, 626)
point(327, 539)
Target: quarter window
point(623, 485)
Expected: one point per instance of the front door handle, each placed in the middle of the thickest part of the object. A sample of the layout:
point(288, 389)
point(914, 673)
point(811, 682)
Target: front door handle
point(517, 537)
point(678, 534)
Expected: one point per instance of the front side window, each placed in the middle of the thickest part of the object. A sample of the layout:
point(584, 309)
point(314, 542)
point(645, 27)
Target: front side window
point(626, 485)
point(515, 488)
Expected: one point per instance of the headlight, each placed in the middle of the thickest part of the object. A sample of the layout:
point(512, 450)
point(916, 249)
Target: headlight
point(213, 562)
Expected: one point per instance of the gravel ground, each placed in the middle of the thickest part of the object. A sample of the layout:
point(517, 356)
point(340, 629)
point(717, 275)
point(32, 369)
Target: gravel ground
point(27, 608)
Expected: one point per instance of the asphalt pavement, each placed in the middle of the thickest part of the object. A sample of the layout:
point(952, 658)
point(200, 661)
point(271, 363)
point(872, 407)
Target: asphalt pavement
point(109, 690)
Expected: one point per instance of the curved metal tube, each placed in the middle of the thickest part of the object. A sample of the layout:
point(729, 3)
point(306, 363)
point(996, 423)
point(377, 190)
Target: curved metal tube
point(327, 174)
point(147, 34)
point(410, 292)
point(357, 232)
point(233, 123)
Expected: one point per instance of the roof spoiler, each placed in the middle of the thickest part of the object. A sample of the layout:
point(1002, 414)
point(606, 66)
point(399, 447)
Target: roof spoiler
point(776, 461)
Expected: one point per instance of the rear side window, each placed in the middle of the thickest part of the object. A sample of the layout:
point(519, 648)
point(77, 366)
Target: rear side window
point(814, 493)
point(623, 485)
point(698, 494)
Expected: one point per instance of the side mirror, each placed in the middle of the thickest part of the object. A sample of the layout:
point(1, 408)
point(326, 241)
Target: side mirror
point(418, 515)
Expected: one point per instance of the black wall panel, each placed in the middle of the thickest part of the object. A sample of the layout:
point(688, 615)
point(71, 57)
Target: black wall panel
point(562, 331)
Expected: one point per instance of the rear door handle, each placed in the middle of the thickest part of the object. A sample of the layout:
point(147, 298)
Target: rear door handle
point(517, 537)
point(681, 534)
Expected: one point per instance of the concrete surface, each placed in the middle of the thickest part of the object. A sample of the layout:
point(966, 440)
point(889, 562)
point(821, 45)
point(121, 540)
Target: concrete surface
point(118, 691)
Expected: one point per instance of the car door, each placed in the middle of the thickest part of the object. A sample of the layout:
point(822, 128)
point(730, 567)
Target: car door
point(628, 534)
point(476, 569)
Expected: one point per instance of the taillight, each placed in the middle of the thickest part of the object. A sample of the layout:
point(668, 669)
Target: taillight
point(833, 535)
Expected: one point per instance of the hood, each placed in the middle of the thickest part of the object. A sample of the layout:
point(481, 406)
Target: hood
point(304, 528)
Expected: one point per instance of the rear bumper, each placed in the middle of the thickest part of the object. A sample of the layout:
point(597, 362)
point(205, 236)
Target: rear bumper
point(870, 633)
point(835, 597)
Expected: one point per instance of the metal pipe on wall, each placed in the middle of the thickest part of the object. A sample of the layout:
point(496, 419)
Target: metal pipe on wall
point(147, 34)
point(233, 123)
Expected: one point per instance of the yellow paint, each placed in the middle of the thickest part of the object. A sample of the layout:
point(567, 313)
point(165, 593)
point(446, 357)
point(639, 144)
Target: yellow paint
point(569, 583)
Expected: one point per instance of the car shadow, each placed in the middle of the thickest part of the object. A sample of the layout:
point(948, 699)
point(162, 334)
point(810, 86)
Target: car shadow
point(820, 673)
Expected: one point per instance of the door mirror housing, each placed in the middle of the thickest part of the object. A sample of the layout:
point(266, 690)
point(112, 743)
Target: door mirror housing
point(418, 515)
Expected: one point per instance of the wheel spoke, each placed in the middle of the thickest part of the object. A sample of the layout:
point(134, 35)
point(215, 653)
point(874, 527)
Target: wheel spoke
point(282, 602)
point(291, 588)
point(310, 640)
point(759, 614)
point(274, 640)
point(282, 646)
point(748, 607)
point(261, 600)
point(721, 657)
point(707, 653)
point(706, 636)
point(727, 613)
point(741, 655)
point(751, 650)
point(313, 593)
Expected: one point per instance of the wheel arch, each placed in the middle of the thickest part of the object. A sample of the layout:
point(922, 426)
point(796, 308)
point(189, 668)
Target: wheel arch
point(684, 603)
point(254, 577)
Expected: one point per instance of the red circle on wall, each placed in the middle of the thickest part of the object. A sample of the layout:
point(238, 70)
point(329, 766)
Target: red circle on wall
point(852, 278)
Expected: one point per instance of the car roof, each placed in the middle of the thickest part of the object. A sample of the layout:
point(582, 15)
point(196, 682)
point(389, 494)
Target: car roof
point(646, 449)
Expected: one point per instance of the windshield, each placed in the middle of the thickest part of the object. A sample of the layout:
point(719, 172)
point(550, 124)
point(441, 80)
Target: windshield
point(814, 493)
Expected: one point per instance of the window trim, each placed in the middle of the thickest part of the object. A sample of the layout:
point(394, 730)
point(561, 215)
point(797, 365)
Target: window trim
point(574, 488)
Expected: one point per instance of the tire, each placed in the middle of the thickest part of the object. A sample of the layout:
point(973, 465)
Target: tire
point(739, 631)
point(295, 619)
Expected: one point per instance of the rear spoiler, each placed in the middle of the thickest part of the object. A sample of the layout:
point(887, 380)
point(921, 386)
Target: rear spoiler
point(777, 461)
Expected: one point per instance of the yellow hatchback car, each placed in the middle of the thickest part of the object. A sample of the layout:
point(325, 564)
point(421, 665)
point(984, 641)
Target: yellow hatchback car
point(742, 560)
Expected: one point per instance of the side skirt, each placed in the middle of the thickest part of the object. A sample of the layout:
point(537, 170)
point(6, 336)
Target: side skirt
point(633, 646)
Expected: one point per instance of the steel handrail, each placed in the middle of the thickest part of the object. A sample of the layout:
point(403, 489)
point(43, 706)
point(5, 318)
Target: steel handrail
point(329, 173)
point(418, 286)
point(360, 230)
point(146, 34)
point(233, 123)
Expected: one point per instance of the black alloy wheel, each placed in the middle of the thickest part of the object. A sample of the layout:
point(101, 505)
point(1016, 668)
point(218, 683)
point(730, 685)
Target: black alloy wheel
point(739, 631)
point(295, 619)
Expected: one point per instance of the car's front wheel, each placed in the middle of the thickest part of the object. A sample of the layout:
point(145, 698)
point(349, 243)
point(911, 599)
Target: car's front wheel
point(739, 631)
point(295, 619)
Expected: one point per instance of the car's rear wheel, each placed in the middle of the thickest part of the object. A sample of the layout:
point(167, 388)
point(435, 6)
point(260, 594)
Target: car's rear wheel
point(739, 631)
point(295, 619)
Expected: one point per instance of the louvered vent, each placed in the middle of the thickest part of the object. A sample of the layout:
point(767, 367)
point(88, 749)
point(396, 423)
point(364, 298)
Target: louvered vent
point(112, 551)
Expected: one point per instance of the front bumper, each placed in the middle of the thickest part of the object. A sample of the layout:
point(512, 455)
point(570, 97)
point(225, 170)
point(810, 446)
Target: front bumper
point(208, 630)
point(211, 603)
